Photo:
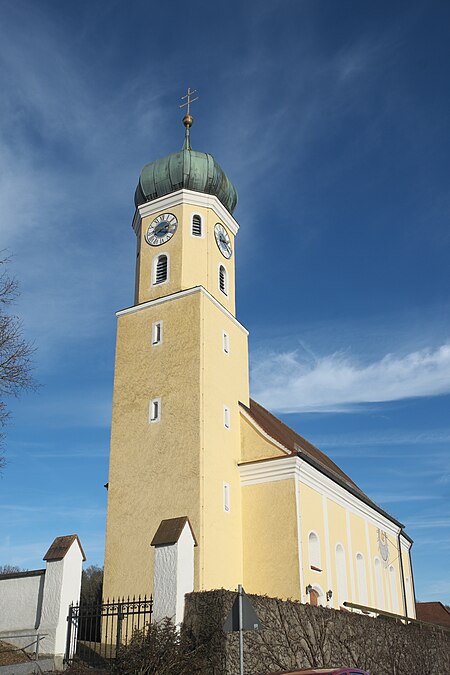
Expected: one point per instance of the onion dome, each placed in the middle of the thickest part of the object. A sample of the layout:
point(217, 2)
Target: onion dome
point(188, 169)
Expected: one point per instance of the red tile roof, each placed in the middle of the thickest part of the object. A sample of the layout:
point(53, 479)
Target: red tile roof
point(60, 548)
point(299, 446)
point(433, 612)
point(290, 439)
point(169, 531)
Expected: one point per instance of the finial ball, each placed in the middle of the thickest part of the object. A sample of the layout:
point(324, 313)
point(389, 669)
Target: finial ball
point(188, 121)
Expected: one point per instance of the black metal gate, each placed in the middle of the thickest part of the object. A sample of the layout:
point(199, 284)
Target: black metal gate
point(95, 631)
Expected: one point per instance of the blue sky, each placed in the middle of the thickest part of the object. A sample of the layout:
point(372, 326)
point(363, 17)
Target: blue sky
point(332, 120)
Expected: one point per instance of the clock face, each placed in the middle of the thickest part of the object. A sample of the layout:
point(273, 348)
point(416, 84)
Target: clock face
point(161, 229)
point(223, 240)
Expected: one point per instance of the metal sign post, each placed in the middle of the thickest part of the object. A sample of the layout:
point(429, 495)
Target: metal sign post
point(242, 617)
point(241, 633)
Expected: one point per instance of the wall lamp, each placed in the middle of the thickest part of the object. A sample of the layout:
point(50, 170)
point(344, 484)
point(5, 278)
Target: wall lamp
point(329, 595)
point(309, 588)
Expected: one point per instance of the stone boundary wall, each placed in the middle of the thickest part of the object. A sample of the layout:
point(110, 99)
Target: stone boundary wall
point(302, 636)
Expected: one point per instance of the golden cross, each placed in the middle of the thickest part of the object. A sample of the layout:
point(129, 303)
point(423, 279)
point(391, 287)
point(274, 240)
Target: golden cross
point(189, 99)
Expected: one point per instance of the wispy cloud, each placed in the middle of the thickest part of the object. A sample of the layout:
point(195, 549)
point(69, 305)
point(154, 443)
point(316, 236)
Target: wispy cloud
point(428, 522)
point(291, 382)
point(390, 438)
point(383, 498)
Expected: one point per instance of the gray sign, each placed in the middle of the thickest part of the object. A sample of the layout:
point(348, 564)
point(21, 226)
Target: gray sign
point(250, 620)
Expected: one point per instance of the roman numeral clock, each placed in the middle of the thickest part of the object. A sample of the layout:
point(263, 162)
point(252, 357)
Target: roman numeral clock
point(161, 229)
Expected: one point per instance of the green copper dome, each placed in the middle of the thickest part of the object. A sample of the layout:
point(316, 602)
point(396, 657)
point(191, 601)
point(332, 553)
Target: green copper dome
point(186, 169)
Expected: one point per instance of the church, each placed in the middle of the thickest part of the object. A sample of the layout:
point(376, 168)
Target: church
point(265, 508)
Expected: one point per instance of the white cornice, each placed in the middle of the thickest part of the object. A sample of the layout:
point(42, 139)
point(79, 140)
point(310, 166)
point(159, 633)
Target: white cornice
point(288, 468)
point(405, 543)
point(182, 294)
point(185, 197)
point(263, 433)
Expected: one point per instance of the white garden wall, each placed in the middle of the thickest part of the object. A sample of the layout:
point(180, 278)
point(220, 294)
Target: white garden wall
point(21, 600)
point(37, 603)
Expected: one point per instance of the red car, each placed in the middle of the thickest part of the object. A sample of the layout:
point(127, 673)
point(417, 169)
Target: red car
point(325, 671)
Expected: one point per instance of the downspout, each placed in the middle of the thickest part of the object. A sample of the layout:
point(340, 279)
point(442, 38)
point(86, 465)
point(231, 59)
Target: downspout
point(405, 607)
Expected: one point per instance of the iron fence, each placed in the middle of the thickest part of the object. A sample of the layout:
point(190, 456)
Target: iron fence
point(95, 631)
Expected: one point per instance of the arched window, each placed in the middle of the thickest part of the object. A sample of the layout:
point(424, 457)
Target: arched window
point(341, 574)
point(361, 576)
point(379, 584)
point(314, 551)
point(196, 226)
point(160, 269)
point(223, 280)
point(393, 586)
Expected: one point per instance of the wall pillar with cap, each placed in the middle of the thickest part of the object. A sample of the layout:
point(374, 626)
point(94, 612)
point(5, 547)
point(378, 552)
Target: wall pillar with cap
point(174, 543)
point(61, 588)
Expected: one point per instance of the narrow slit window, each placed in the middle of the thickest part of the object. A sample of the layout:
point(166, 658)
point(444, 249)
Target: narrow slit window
point(223, 280)
point(157, 332)
point(226, 417)
point(155, 410)
point(226, 342)
point(161, 269)
point(226, 497)
point(196, 226)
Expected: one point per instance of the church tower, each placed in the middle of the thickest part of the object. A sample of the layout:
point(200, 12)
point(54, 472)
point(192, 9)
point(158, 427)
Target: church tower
point(181, 371)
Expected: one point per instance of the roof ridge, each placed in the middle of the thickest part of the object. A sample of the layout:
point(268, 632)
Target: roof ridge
point(305, 449)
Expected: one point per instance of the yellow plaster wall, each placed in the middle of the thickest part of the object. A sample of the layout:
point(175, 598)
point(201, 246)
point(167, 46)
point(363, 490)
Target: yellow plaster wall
point(408, 583)
point(363, 539)
point(312, 519)
point(254, 445)
point(193, 261)
point(176, 467)
point(394, 561)
point(359, 545)
point(337, 524)
point(270, 539)
point(224, 383)
point(154, 468)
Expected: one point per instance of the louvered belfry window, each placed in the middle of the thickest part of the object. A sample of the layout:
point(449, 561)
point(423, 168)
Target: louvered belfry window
point(223, 279)
point(161, 269)
point(196, 226)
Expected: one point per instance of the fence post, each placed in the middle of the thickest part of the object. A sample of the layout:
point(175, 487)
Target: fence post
point(69, 633)
point(119, 624)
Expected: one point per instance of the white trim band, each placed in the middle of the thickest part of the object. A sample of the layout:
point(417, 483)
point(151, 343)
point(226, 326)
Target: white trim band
point(182, 294)
point(287, 468)
point(185, 197)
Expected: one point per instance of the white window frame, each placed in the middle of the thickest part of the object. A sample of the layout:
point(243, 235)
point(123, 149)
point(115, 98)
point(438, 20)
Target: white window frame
point(155, 325)
point(151, 409)
point(225, 292)
point(361, 579)
point(202, 229)
point(341, 573)
point(226, 417)
point(226, 342)
point(226, 497)
point(314, 554)
point(154, 266)
point(379, 583)
point(393, 589)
